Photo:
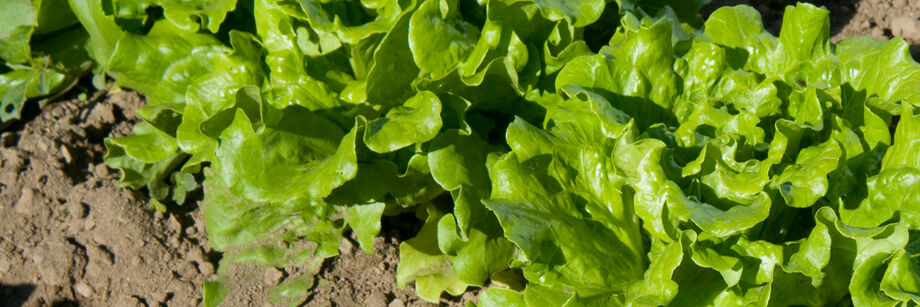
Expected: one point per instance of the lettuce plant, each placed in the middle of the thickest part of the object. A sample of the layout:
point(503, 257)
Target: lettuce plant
point(559, 152)
point(719, 166)
point(42, 53)
point(303, 119)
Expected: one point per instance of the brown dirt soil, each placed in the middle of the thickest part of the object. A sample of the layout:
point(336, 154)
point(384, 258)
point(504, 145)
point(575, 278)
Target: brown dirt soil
point(70, 236)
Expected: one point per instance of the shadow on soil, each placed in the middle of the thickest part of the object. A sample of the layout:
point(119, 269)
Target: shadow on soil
point(15, 295)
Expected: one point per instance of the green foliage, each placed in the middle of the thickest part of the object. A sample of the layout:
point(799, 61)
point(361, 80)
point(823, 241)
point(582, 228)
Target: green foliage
point(41, 53)
point(577, 152)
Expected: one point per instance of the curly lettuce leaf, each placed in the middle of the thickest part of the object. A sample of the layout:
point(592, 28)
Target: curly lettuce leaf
point(579, 13)
point(185, 15)
point(163, 64)
point(300, 149)
point(19, 20)
point(439, 38)
point(418, 120)
point(422, 262)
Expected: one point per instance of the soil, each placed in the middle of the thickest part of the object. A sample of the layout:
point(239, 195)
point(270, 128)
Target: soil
point(70, 236)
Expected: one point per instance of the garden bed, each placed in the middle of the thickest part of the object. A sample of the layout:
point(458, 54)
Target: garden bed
point(71, 236)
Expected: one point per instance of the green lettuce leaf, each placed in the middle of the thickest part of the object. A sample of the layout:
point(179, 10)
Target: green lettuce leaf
point(186, 15)
point(579, 13)
point(161, 65)
point(418, 120)
point(805, 181)
point(439, 38)
point(19, 20)
point(422, 262)
point(298, 148)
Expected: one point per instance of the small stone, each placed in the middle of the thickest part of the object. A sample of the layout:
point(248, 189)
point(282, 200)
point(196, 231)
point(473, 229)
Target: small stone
point(66, 154)
point(272, 276)
point(397, 303)
point(84, 289)
point(376, 299)
point(26, 201)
